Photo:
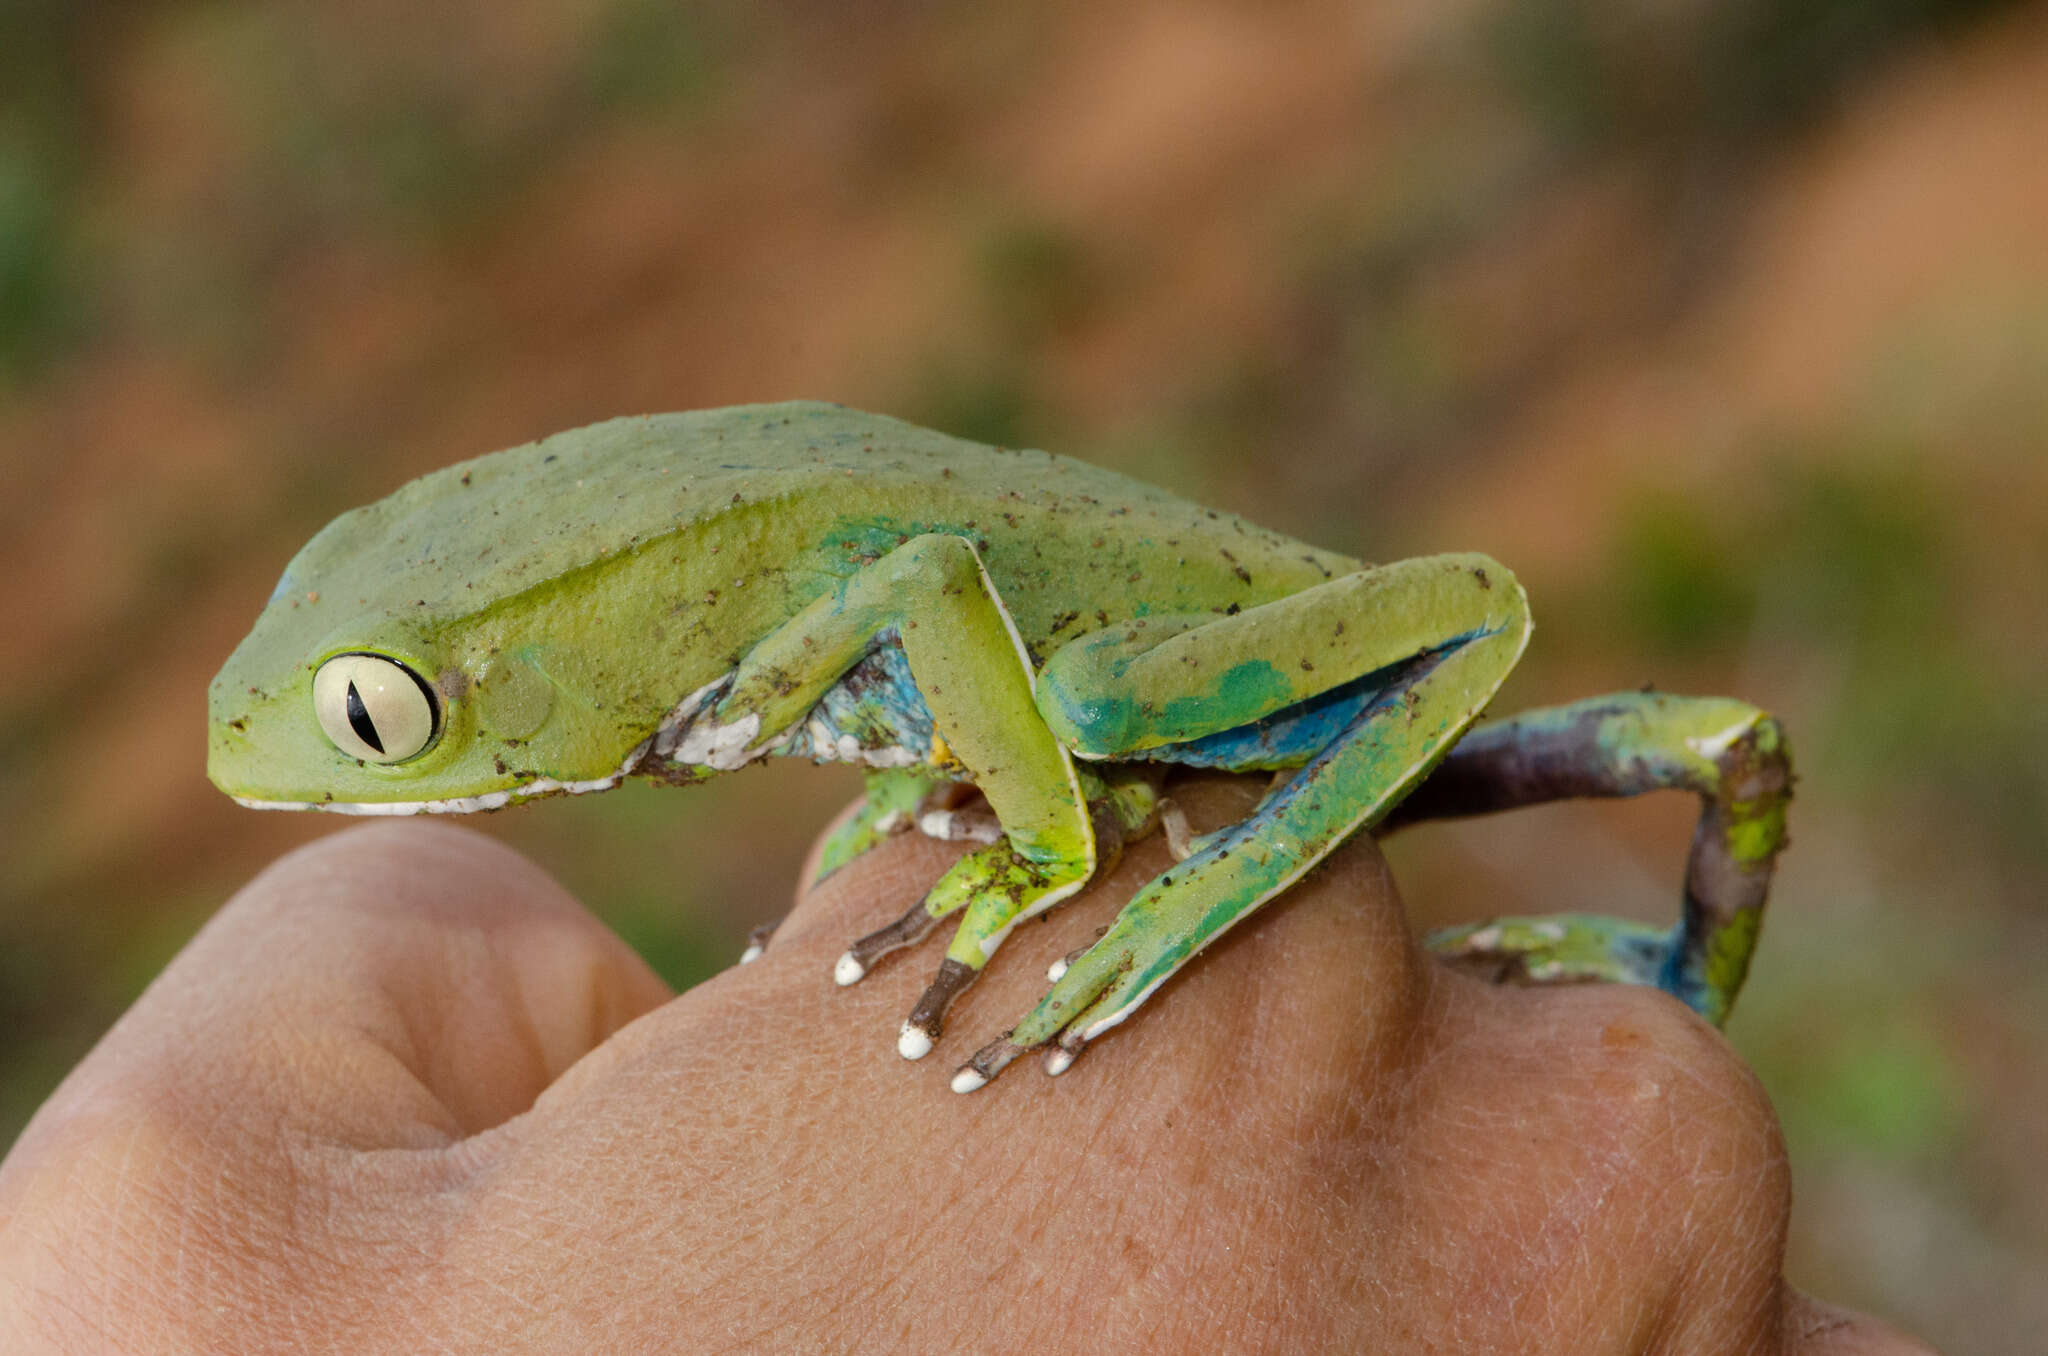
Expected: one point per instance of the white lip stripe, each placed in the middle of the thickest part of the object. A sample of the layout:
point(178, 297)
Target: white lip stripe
point(460, 805)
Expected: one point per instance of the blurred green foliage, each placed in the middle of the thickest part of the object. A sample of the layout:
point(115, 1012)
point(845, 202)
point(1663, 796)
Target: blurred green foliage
point(44, 130)
point(1889, 1088)
point(1850, 557)
point(1680, 590)
point(429, 136)
point(988, 403)
point(650, 54)
point(37, 304)
point(1697, 75)
point(1037, 281)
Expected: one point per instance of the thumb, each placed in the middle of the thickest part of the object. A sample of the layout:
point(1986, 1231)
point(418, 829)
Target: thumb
point(395, 986)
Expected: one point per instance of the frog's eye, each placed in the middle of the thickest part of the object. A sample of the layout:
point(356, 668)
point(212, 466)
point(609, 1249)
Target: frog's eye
point(374, 708)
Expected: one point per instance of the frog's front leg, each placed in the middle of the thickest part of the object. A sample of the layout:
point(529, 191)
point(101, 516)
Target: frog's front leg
point(970, 667)
point(1383, 670)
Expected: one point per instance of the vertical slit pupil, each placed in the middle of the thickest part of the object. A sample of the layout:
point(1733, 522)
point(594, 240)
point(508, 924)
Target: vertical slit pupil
point(359, 719)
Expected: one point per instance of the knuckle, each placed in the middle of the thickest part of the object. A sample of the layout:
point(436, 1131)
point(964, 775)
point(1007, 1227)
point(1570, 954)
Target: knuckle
point(399, 870)
point(1680, 1106)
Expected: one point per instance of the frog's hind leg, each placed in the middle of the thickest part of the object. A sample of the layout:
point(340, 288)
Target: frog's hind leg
point(1430, 639)
point(1733, 756)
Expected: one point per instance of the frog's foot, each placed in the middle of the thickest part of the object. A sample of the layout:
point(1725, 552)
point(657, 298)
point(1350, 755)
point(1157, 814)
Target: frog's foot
point(998, 889)
point(1565, 949)
point(888, 808)
point(1093, 991)
point(1174, 916)
point(1060, 967)
point(1731, 755)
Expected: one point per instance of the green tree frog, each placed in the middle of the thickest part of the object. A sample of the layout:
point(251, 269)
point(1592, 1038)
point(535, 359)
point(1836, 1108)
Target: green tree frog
point(676, 596)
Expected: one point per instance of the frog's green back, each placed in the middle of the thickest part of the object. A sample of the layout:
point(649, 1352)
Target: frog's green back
point(627, 563)
point(459, 540)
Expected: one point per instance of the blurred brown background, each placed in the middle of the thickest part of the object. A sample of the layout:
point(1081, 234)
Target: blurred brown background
point(1725, 322)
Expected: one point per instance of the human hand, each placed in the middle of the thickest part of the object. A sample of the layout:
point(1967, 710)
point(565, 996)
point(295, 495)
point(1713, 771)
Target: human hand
point(405, 1094)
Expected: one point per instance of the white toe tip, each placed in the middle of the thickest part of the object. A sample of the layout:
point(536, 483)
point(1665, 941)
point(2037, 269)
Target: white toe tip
point(968, 1080)
point(914, 1042)
point(753, 953)
point(847, 971)
point(1056, 969)
point(1059, 1061)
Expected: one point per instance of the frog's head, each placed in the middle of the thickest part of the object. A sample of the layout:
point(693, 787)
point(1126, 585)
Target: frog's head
point(378, 681)
point(391, 722)
point(337, 723)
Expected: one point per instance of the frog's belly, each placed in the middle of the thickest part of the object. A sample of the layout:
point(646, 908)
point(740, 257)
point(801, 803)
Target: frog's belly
point(874, 717)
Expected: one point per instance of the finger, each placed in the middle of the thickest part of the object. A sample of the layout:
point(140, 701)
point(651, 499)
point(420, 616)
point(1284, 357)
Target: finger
point(399, 985)
point(1609, 1144)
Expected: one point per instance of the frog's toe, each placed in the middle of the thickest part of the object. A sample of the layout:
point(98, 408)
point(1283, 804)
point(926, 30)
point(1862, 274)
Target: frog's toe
point(757, 943)
point(979, 1071)
point(921, 1029)
point(855, 962)
point(1057, 971)
point(1090, 985)
point(1000, 1053)
point(957, 812)
point(1564, 949)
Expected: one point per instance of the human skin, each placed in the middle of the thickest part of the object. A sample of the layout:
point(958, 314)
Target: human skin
point(404, 1094)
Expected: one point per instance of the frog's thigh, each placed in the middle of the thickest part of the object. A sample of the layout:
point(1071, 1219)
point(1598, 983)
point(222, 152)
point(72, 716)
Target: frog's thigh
point(1156, 681)
point(1458, 622)
point(1730, 754)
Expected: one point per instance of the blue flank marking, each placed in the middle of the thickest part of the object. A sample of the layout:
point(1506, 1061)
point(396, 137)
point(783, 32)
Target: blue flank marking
point(876, 702)
point(1287, 738)
point(1293, 735)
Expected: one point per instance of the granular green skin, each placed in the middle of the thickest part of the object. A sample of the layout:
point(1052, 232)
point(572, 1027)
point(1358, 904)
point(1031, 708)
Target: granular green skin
point(1241, 693)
